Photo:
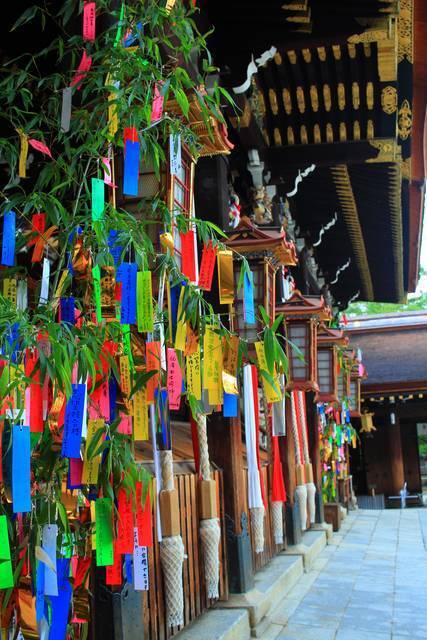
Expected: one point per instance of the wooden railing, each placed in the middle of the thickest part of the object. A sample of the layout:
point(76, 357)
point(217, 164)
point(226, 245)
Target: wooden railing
point(271, 549)
point(195, 600)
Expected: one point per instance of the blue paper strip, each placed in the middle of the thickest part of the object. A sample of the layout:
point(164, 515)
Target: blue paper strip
point(40, 604)
point(12, 337)
point(67, 310)
point(21, 468)
point(61, 603)
point(131, 169)
point(50, 534)
point(115, 249)
point(248, 299)
point(8, 244)
point(128, 303)
point(231, 405)
point(112, 392)
point(73, 422)
point(129, 567)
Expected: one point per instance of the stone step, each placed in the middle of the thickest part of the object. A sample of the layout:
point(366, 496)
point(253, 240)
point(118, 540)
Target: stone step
point(313, 542)
point(272, 583)
point(218, 624)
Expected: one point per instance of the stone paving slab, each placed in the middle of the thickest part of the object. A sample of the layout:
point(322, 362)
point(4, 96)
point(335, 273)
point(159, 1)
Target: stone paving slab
point(370, 583)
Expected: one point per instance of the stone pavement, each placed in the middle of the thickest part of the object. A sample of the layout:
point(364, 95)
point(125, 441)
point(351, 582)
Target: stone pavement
point(370, 583)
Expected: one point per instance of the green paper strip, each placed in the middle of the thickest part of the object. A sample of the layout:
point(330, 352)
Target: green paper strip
point(96, 275)
point(144, 301)
point(104, 532)
point(6, 573)
point(98, 199)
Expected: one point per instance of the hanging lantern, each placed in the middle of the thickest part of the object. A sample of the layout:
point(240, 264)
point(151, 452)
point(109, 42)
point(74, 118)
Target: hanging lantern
point(301, 317)
point(265, 251)
point(328, 341)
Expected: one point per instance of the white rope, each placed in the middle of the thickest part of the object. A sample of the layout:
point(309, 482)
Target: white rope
point(301, 495)
point(257, 527)
point(205, 470)
point(277, 518)
point(172, 559)
point(295, 429)
point(210, 535)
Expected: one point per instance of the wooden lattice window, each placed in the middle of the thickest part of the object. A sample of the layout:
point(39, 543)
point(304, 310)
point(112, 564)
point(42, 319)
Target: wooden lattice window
point(325, 373)
point(299, 335)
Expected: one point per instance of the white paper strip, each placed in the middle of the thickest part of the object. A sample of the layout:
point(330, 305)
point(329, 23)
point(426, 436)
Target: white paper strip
point(49, 535)
point(254, 486)
point(44, 291)
point(140, 565)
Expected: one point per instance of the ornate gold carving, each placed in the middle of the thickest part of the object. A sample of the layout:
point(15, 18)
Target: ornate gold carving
point(273, 101)
point(343, 132)
point(351, 50)
point(404, 120)
point(314, 97)
point(303, 134)
point(370, 35)
point(387, 150)
point(370, 129)
point(367, 49)
point(290, 135)
point(300, 99)
point(287, 100)
point(387, 63)
point(266, 137)
point(295, 6)
point(370, 95)
point(292, 56)
point(306, 54)
point(355, 94)
point(336, 50)
point(327, 97)
point(341, 96)
point(316, 134)
point(389, 99)
point(349, 211)
point(277, 137)
point(329, 132)
point(278, 59)
point(321, 52)
point(405, 31)
point(356, 130)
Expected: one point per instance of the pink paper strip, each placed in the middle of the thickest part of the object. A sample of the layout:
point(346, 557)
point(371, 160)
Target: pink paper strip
point(82, 71)
point(89, 21)
point(157, 107)
point(174, 382)
point(40, 146)
point(125, 424)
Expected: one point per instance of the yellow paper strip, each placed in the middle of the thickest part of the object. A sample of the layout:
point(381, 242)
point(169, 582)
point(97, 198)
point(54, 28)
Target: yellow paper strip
point(212, 359)
point(91, 467)
point(193, 374)
point(140, 415)
point(181, 326)
point(9, 290)
point(125, 379)
point(272, 394)
point(22, 170)
point(225, 277)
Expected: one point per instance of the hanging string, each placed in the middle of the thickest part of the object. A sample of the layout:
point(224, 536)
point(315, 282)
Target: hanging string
point(294, 425)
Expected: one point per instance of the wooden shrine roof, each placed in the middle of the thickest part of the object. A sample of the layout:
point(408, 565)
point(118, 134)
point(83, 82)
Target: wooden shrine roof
point(342, 86)
point(248, 238)
point(394, 352)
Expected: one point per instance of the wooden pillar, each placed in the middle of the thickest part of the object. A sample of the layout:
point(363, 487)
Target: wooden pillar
point(397, 472)
point(226, 451)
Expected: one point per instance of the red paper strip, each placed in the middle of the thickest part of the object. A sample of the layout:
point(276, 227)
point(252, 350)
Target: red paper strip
point(40, 146)
point(143, 518)
point(152, 355)
point(125, 424)
point(157, 107)
point(83, 565)
point(174, 380)
point(125, 523)
point(38, 226)
point(81, 73)
point(188, 250)
point(114, 573)
point(131, 134)
point(35, 391)
point(278, 492)
point(89, 21)
point(207, 267)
